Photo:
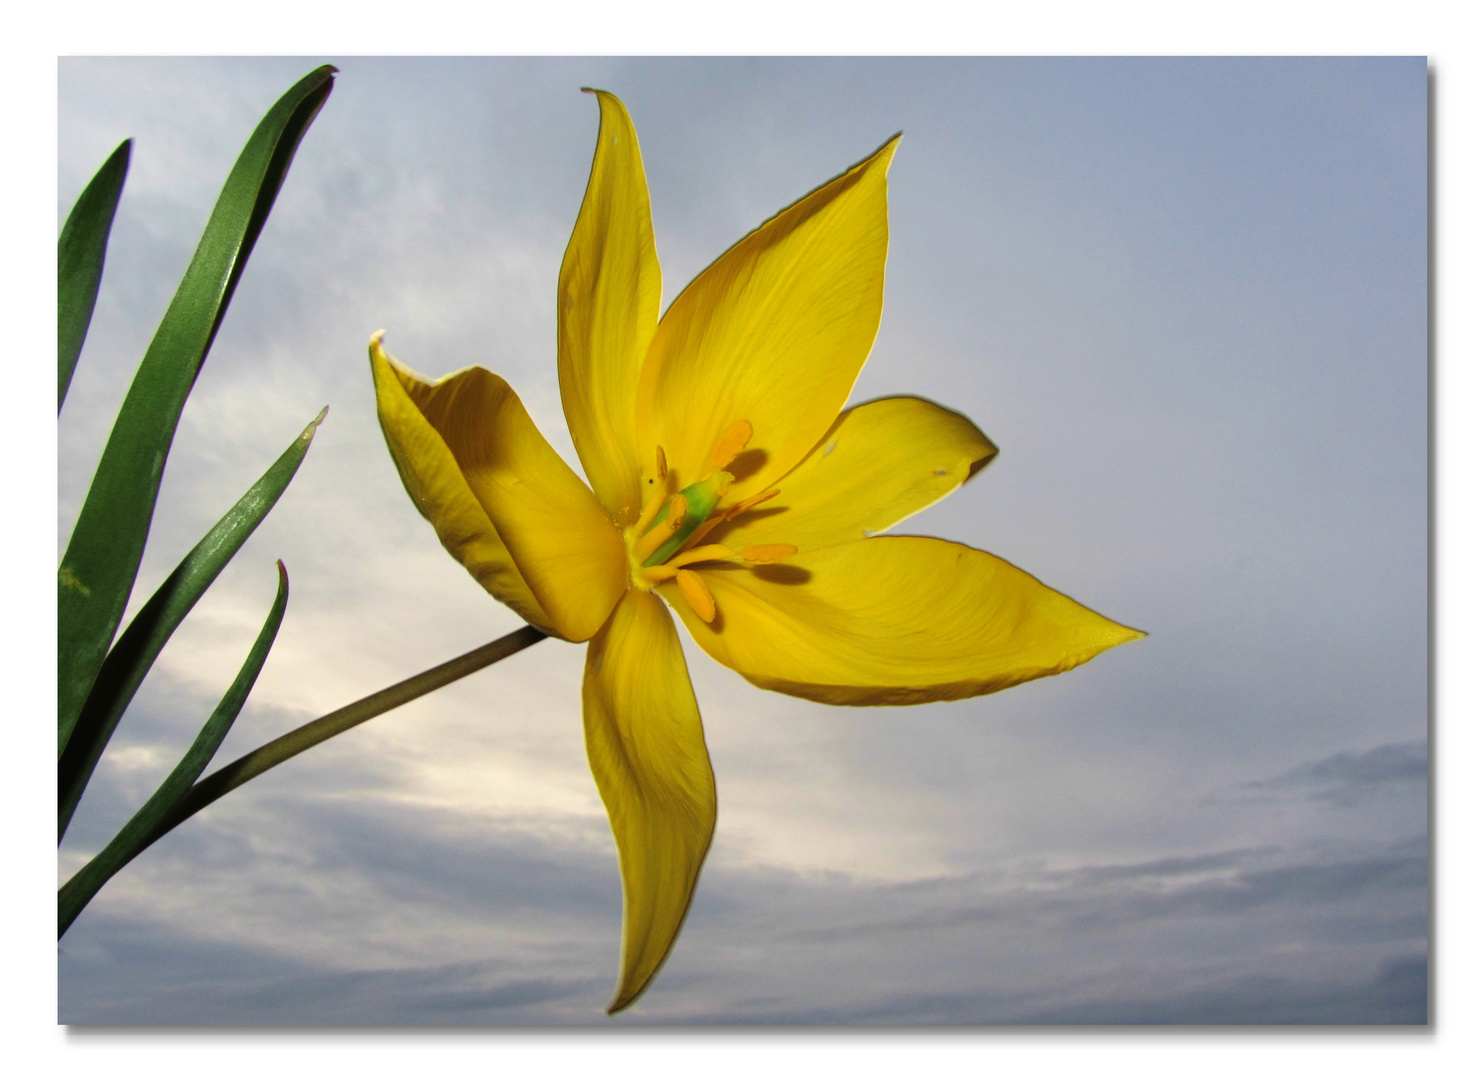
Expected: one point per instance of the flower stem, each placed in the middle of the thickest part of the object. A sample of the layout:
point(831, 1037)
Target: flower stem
point(205, 792)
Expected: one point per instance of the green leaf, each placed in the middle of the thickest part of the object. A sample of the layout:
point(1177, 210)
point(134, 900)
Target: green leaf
point(144, 827)
point(97, 573)
point(138, 646)
point(80, 252)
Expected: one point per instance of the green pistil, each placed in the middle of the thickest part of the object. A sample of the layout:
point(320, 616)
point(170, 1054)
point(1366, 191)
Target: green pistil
point(700, 502)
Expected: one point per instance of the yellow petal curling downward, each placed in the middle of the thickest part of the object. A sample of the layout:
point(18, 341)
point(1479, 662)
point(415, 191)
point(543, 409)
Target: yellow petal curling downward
point(647, 752)
point(438, 489)
point(896, 620)
point(566, 548)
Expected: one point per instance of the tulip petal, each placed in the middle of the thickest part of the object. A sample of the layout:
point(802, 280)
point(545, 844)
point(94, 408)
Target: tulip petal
point(774, 332)
point(880, 463)
point(647, 752)
point(439, 490)
point(564, 545)
point(894, 620)
point(606, 313)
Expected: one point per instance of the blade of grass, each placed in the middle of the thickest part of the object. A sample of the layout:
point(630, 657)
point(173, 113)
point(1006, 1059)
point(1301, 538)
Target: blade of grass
point(98, 571)
point(80, 252)
point(140, 831)
point(138, 646)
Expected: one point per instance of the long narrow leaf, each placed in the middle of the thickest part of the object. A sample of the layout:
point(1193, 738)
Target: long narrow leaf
point(138, 646)
point(97, 573)
point(80, 252)
point(143, 827)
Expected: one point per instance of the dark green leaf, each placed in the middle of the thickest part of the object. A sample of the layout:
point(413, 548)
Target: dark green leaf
point(138, 646)
point(144, 827)
point(80, 252)
point(97, 573)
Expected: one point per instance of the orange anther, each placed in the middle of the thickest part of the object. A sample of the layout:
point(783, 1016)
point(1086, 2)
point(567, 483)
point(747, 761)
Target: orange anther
point(731, 444)
point(663, 464)
point(696, 595)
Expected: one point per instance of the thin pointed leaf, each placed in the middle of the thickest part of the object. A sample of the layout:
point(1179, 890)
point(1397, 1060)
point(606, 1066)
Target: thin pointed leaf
point(138, 646)
point(143, 827)
point(97, 573)
point(80, 252)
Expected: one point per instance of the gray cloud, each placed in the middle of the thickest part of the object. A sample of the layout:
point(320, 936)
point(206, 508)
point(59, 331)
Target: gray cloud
point(1305, 934)
point(1347, 778)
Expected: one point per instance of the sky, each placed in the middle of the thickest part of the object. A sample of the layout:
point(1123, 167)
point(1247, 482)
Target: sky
point(1185, 298)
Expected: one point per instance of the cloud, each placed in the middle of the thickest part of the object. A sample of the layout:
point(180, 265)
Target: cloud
point(311, 909)
point(1349, 778)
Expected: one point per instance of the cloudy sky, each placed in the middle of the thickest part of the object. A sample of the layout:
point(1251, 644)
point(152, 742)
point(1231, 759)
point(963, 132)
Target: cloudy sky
point(1186, 298)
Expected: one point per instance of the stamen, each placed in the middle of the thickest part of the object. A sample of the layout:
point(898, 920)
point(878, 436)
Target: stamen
point(765, 553)
point(708, 553)
point(696, 594)
point(651, 509)
point(702, 554)
point(700, 501)
point(756, 500)
point(663, 463)
point(731, 444)
point(661, 534)
point(705, 527)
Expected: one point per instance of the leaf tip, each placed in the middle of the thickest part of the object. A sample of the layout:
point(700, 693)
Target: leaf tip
point(307, 435)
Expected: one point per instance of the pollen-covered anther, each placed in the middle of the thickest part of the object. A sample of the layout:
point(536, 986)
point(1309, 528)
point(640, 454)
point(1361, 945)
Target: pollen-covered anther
point(765, 553)
point(696, 595)
point(731, 443)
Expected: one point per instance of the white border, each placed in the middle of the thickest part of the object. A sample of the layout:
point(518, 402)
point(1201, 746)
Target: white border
point(28, 81)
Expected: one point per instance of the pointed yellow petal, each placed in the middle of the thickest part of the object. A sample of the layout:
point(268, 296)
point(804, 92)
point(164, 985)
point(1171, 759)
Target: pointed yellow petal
point(437, 487)
point(774, 333)
point(881, 462)
point(607, 308)
point(565, 546)
point(647, 752)
point(895, 620)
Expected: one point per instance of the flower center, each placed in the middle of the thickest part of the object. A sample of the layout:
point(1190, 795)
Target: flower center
point(665, 539)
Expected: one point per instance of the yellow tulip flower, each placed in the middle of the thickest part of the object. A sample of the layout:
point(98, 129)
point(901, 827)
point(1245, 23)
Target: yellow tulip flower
point(726, 480)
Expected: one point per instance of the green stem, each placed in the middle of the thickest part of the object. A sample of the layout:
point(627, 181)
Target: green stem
point(207, 791)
